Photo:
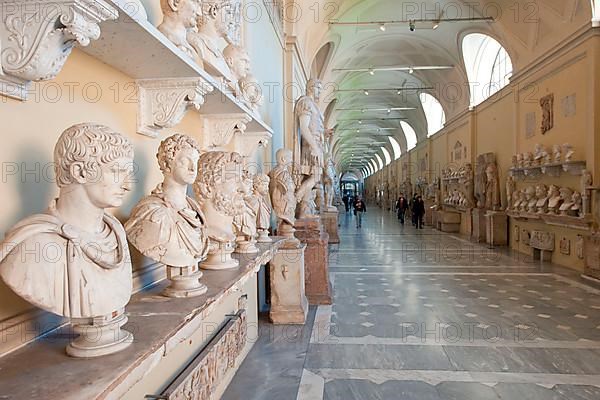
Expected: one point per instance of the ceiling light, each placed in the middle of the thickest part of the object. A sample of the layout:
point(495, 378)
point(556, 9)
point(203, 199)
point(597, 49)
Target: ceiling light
point(366, 92)
point(382, 27)
point(436, 24)
point(411, 70)
point(371, 71)
point(360, 122)
point(389, 110)
point(363, 110)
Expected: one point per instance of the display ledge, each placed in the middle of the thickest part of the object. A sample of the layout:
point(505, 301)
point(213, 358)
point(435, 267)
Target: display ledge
point(453, 179)
point(42, 370)
point(554, 169)
point(452, 207)
point(566, 221)
point(138, 49)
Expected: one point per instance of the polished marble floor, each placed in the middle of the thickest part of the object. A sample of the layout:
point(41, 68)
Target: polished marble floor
point(419, 314)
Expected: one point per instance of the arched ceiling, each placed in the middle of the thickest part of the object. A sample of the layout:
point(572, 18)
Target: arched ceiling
point(526, 30)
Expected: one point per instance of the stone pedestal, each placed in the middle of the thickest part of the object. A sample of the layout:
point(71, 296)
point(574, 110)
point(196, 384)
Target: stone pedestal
point(289, 304)
point(330, 221)
point(311, 232)
point(591, 250)
point(449, 221)
point(479, 231)
point(497, 228)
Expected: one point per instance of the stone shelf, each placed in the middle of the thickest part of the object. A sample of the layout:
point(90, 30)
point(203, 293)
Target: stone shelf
point(554, 169)
point(138, 49)
point(566, 221)
point(452, 207)
point(158, 323)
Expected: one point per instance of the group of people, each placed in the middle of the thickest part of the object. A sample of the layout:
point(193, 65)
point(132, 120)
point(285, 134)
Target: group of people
point(417, 209)
point(358, 206)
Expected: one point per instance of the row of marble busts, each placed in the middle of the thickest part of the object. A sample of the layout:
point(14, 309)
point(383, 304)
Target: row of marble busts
point(552, 200)
point(73, 259)
point(544, 156)
point(197, 27)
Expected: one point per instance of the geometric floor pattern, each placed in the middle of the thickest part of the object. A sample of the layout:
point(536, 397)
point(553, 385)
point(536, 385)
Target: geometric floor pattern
point(419, 314)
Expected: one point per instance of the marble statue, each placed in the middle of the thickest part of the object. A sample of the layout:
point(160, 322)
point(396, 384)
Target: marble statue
point(179, 18)
point(554, 200)
point(492, 188)
point(556, 153)
point(263, 211)
point(251, 92)
point(85, 274)
point(218, 191)
point(541, 193)
point(328, 178)
point(568, 152)
point(511, 187)
point(308, 206)
point(238, 61)
point(283, 193)
point(523, 201)
point(566, 195)
point(516, 196)
point(539, 154)
point(213, 23)
point(586, 184)
point(168, 226)
point(531, 199)
point(310, 126)
point(575, 210)
point(244, 223)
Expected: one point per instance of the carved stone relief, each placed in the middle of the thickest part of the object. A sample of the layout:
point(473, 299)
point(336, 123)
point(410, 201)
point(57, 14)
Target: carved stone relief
point(547, 104)
point(565, 246)
point(542, 240)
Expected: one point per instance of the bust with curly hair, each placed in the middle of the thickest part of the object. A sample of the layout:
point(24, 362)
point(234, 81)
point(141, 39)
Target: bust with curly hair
point(218, 189)
point(168, 226)
point(81, 268)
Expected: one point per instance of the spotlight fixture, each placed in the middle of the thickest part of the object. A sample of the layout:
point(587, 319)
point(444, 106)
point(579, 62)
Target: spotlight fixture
point(382, 27)
point(411, 70)
point(366, 92)
point(411, 25)
point(360, 121)
point(436, 24)
point(389, 110)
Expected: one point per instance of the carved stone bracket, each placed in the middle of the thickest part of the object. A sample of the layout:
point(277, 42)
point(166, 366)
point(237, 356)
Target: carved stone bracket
point(163, 103)
point(247, 143)
point(37, 37)
point(218, 130)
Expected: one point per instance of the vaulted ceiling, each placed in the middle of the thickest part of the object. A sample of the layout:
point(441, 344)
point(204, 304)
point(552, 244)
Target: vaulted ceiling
point(525, 28)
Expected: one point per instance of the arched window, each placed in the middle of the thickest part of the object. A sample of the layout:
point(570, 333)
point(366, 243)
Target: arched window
point(395, 147)
point(386, 154)
point(411, 136)
point(379, 161)
point(434, 113)
point(488, 65)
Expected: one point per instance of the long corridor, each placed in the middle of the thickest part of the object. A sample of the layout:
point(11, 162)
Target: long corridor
point(426, 315)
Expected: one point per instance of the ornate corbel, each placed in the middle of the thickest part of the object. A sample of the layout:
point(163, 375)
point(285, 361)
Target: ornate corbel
point(218, 130)
point(247, 143)
point(37, 37)
point(163, 102)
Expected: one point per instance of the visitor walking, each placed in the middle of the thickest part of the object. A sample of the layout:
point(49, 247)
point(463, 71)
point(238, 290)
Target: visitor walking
point(401, 207)
point(346, 201)
point(359, 208)
point(412, 208)
point(419, 212)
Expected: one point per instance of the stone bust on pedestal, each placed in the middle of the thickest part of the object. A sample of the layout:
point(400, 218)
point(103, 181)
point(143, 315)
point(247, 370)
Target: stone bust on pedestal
point(263, 211)
point(87, 277)
point(244, 224)
point(217, 189)
point(283, 193)
point(168, 226)
point(179, 18)
point(238, 61)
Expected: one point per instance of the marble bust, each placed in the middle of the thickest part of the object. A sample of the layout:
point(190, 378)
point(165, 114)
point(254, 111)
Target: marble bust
point(554, 199)
point(168, 226)
point(251, 92)
point(516, 200)
point(179, 17)
point(575, 210)
point(283, 193)
point(244, 223)
point(217, 189)
point(541, 191)
point(556, 153)
point(238, 61)
point(263, 210)
point(531, 199)
point(568, 152)
point(85, 274)
point(523, 201)
point(566, 195)
point(212, 24)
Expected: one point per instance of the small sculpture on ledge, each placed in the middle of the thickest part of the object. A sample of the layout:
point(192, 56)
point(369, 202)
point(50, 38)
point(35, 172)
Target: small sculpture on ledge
point(541, 192)
point(263, 211)
point(218, 192)
point(168, 226)
point(238, 61)
point(520, 160)
point(568, 152)
point(575, 210)
point(283, 194)
point(566, 195)
point(539, 155)
point(516, 203)
point(556, 153)
point(510, 191)
point(531, 199)
point(554, 200)
point(88, 278)
point(244, 223)
point(251, 92)
point(179, 18)
point(523, 201)
point(527, 159)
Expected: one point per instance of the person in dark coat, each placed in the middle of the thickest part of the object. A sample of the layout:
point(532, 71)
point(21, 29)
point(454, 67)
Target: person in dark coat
point(359, 208)
point(419, 211)
point(401, 207)
point(346, 201)
point(411, 206)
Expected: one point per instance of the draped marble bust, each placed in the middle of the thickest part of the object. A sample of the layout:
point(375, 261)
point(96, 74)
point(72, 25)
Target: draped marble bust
point(80, 266)
point(168, 226)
